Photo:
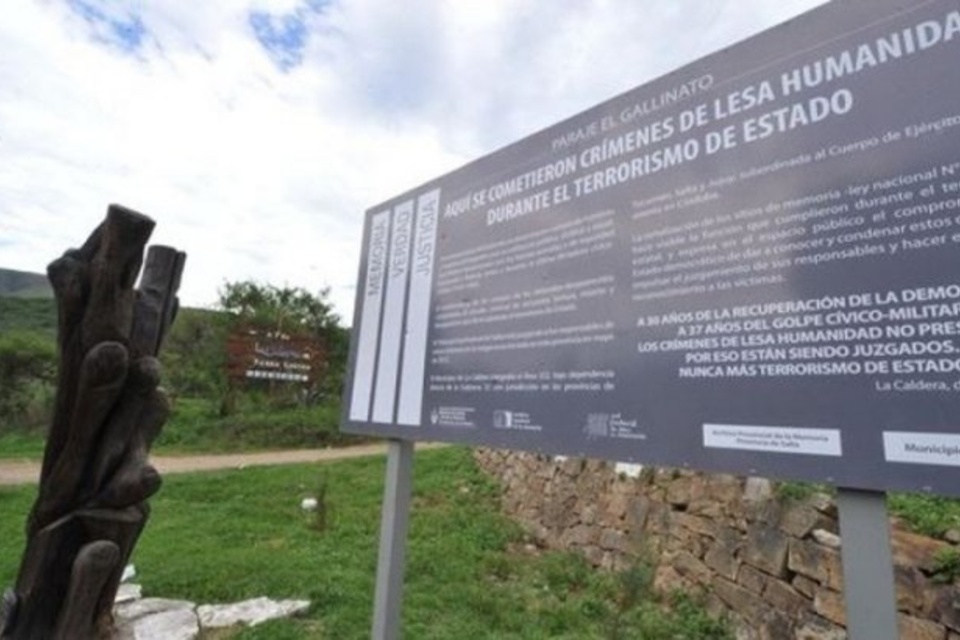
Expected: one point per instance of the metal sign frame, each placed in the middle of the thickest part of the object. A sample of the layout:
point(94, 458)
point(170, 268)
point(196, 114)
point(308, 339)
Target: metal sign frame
point(781, 215)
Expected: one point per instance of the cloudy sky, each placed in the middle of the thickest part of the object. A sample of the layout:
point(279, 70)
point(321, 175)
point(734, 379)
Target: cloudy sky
point(257, 132)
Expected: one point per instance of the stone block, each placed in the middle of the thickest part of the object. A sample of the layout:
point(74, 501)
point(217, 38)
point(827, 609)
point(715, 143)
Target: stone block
point(511, 503)
point(595, 467)
point(785, 598)
point(912, 628)
point(691, 567)
point(766, 549)
point(680, 492)
point(684, 540)
point(745, 603)
point(708, 508)
point(730, 536)
point(756, 490)
point(539, 533)
point(588, 515)
point(714, 606)
point(559, 512)
point(579, 536)
point(816, 628)
point(673, 545)
point(638, 508)
point(829, 604)
point(765, 512)
point(594, 555)
point(751, 579)
point(723, 560)
point(743, 629)
point(910, 584)
point(614, 509)
point(696, 524)
point(776, 626)
point(676, 529)
point(623, 562)
point(546, 471)
point(942, 604)
point(824, 503)
point(913, 550)
point(667, 580)
point(614, 540)
point(725, 489)
point(658, 519)
point(814, 561)
point(800, 519)
point(804, 585)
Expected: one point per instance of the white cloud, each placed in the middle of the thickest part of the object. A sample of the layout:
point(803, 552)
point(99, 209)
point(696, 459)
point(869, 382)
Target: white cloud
point(260, 173)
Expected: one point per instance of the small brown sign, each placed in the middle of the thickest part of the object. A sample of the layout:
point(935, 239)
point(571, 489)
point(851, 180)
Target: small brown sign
point(276, 356)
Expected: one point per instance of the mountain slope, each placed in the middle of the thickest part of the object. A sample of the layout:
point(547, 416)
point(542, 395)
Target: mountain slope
point(23, 284)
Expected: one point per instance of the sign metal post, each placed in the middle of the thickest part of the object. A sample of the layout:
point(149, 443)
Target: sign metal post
point(395, 516)
point(868, 586)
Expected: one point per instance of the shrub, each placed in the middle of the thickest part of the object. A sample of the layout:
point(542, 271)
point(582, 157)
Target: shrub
point(27, 369)
point(194, 355)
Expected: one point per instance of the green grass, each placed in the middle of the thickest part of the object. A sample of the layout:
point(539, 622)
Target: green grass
point(226, 536)
point(196, 427)
point(22, 445)
point(795, 491)
point(927, 514)
point(35, 314)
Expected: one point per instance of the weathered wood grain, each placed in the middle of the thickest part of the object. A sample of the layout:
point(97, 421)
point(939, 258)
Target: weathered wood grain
point(95, 479)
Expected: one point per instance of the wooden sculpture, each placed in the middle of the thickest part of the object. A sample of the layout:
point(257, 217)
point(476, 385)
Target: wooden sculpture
point(95, 481)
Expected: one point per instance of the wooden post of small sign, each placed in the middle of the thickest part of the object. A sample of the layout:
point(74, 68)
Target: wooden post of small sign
point(868, 585)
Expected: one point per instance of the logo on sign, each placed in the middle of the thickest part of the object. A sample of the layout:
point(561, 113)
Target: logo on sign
point(502, 419)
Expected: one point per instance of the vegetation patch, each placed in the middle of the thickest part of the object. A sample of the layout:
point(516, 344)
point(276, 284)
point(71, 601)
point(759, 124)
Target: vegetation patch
point(211, 413)
point(232, 535)
point(925, 513)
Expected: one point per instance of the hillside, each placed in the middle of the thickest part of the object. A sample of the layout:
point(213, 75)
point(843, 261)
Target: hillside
point(28, 314)
point(23, 284)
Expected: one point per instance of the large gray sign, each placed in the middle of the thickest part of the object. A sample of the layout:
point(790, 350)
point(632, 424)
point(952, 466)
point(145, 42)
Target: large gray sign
point(749, 265)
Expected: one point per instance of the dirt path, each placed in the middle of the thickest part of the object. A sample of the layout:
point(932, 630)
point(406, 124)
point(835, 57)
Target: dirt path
point(13, 472)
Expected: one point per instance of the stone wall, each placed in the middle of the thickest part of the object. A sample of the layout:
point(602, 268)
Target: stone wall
point(772, 565)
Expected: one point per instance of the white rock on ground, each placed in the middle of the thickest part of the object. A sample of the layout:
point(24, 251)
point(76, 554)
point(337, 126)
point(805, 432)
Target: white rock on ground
point(128, 593)
point(155, 619)
point(249, 612)
point(162, 619)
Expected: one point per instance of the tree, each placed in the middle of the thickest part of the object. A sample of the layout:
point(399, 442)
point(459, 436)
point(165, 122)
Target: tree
point(194, 360)
point(292, 311)
point(280, 308)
